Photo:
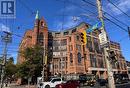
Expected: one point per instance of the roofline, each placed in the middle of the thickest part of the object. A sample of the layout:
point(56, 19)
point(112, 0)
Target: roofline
point(71, 28)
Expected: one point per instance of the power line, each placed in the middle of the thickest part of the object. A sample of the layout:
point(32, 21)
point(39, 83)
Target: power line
point(116, 19)
point(27, 7)
point(105, 12)
point(105, 17)
point(116, 24)
point(90, 3)
point(110, 16)
point(77, 5)
point(118, 8)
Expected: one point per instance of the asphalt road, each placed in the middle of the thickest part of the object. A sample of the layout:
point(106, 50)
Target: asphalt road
point(125, 85)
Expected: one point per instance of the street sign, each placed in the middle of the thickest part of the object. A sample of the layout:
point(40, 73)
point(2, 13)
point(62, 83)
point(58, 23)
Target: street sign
point(95, 26)
point(29, 79)
point(103, 38)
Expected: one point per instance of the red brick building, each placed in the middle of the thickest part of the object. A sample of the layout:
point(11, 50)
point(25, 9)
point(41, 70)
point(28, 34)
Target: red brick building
point(37, 35)
point(66, 54)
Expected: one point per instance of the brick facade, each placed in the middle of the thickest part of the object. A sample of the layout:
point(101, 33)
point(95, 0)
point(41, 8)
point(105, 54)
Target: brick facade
point(67, 55)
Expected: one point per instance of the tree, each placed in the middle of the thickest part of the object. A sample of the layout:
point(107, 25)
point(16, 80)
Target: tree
point(32, 66)
point(10, 69)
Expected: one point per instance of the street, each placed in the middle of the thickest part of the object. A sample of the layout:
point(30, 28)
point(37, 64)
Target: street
point(21, 86)
point(125, 85)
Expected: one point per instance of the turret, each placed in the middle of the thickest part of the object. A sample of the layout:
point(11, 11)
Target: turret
point(36, 29)
point(42, 24)
point(37, 19)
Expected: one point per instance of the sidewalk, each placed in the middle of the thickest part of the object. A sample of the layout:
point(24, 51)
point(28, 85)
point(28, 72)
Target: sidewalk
point(13, 85)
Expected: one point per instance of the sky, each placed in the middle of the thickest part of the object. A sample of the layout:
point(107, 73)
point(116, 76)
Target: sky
point(68, 13)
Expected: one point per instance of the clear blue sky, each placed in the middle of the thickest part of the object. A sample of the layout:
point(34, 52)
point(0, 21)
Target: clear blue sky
point(53, 10)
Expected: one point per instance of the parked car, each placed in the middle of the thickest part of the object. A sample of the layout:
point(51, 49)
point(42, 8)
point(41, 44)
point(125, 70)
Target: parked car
point(52, 83)
point(102, 82)
point(87, 79)
point(69, 84)
point(121, 78)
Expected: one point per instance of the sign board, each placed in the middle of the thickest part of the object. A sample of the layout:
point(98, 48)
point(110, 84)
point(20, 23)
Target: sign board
point(7, 8)
point(29, 79)
point(103, 38)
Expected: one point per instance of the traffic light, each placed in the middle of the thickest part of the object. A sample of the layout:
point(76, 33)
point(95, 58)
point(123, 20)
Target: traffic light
point(83, 37)
point(112, 56)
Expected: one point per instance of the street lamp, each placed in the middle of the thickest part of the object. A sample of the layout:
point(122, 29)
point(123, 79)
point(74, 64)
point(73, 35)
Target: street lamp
point(76, 18)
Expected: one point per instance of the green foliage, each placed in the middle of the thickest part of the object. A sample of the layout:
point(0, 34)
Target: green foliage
point(33, 62)
point(10, 69)
point(22, 70)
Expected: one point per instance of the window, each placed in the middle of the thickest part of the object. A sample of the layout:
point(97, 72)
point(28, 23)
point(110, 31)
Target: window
point(71, 58)
point(125, 66)
point(118, 66)
point(55, 48)
point(29, 36)
point(56, 43)
point(96, 45)
point(71, 47)
point(79, 57)
point(100, 62)
point(66, 33)
point(50, 43)
point(74, 30)
point(55, 66)
point(78, 47)
point(57, 34)
point(89, 43)
point(63, 54)
point(50, 39)
point(77, 38)
point(42, 24)
point(64, 42)
point(55, 80)
point(122, 65)
point(62, 64)
point(93, 61)
point(114, 65)
point(63, 48)
point(94, 33)
point(40, 38)
point(69, 39)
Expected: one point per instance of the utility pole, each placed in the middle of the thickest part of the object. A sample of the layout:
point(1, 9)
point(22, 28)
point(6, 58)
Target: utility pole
point(105, 44)
point(6, 39)
point(44, 57)
point(129, 31)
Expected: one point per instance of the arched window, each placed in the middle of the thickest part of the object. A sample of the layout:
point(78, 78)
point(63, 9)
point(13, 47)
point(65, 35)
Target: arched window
point(79, 57)
point(40, 39)
point(71, 58)
point(42, 24)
